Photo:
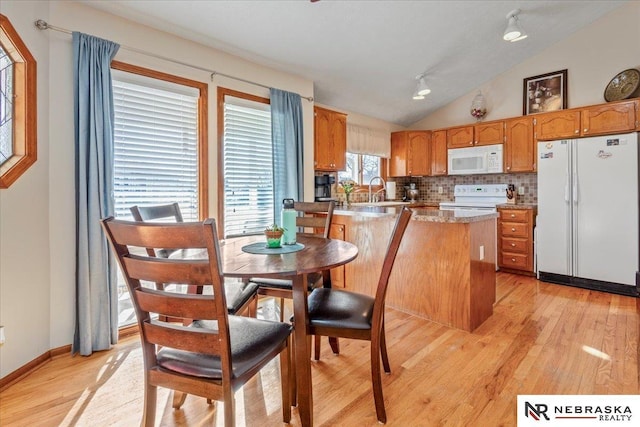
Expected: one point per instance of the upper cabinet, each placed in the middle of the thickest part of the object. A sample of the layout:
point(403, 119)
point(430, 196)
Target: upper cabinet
point(488, 133)
point(330, 140)
point(602, 119)
point(608, 118)
point(558, 124)
point(519, 145)
point(439, 152)
point(410, 153)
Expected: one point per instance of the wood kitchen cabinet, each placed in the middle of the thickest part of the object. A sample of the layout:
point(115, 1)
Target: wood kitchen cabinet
point(410, 153)
point(519, 145)
point(337, 231)
point(488, 133)
point(439, 153)
point(515, 240)
point(557, 125)
point(610, 118)
point(330, 140)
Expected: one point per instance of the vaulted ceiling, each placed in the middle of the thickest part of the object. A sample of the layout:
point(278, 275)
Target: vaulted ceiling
point(363, 56)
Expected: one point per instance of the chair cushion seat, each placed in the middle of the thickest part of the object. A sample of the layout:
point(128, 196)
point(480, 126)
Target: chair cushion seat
point(237, 294)
point(265, 282)
point(334, 308)
point(253, 342)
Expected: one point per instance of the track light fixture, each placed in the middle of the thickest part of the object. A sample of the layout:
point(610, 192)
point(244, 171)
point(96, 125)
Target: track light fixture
point(513, 32)
point(421, 89)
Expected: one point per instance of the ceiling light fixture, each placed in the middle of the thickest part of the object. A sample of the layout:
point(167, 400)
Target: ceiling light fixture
point(421, 89)
point(513, 33)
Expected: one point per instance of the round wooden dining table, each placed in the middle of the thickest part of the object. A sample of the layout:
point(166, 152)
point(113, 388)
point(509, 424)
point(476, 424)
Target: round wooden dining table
point(318, 255)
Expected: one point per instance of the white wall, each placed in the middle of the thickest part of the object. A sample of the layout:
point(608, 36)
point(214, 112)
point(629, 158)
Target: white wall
point(37, 220)
point(592, 56)
point(24, 219)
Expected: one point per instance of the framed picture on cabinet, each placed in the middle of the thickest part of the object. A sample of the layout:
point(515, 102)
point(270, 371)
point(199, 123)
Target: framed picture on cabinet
point(546, 92)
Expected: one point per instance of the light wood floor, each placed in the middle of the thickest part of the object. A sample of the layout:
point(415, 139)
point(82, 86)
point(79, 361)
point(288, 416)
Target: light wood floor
point(542, 339)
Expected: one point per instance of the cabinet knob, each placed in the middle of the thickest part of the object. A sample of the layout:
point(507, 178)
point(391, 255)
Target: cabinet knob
point(513, 229)
point(508, 167)
point(470, 142)
point(513, 215)
point(586, 130)
point(513, 245)
point(513, 260)
point(577, 131)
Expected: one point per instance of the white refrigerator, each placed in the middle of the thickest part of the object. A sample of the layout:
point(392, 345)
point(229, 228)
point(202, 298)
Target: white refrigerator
point(587, 224)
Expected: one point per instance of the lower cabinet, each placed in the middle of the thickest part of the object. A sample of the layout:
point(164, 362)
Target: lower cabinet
point(515, 240)
point(337, 231)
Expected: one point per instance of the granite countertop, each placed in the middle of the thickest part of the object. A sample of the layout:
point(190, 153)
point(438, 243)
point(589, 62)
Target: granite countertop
point(420, 214)
point(518, 206)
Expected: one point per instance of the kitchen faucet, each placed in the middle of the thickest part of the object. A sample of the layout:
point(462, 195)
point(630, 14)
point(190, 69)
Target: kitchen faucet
point(381, 190)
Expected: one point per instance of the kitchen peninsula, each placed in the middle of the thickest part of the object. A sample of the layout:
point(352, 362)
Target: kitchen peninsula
point(445, 267)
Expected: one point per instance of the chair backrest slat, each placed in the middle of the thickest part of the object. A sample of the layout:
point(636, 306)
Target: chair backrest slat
point(176, 304)
point(316, 215)
point(151, 213)
point(162, 270)
point(197, 340)
point(161, 235)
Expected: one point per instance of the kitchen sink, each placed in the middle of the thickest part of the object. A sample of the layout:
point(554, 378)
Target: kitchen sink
point(380, 204)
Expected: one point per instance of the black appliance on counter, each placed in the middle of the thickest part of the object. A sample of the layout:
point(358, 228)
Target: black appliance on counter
point(323, 187)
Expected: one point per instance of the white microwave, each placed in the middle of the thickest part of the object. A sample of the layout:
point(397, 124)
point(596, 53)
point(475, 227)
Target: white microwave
point(475, 160)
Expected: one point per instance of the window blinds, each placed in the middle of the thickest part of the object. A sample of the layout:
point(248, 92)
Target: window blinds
point(248, 167)
point(156, 147)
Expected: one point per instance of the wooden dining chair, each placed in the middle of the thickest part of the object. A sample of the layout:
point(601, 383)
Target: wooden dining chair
point(215, 355)
point(338, 313)
point(242, 297)
point(313, 218)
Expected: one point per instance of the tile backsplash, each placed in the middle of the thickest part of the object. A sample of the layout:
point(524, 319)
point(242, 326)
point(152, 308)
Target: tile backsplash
point(428, 185)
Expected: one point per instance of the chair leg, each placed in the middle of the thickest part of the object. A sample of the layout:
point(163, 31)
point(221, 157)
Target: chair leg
point(229, 409)
point(178, 399)
point(335, 345)
point(316, 347)
point(149, 414)
point(293, 384)
point(285, 381)
point(383, 351)
point(282, 309)
point(376, 380)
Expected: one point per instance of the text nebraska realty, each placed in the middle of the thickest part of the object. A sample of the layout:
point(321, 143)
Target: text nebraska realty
point(601, 413)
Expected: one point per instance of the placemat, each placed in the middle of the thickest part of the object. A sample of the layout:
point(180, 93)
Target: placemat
point(261, 248)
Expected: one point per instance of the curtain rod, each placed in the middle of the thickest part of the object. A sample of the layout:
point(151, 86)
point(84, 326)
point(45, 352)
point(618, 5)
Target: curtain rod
point(43, 25)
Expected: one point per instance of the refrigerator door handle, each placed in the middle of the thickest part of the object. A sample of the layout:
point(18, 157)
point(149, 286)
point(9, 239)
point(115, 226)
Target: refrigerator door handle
point(575, 189)
point(566, 189)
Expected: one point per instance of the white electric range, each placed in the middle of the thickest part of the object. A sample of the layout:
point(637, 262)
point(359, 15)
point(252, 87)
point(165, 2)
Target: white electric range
point(477, 197)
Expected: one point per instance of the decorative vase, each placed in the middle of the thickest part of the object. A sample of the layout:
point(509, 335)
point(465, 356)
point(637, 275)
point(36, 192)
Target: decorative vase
point(273, 238)
point(479, 107)
point(347, 198)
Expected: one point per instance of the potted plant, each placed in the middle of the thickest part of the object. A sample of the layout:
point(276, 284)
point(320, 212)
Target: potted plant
point(274, 235)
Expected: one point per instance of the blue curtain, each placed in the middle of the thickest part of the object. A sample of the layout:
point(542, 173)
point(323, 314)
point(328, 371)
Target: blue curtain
point(96, 294)
point(287, 137)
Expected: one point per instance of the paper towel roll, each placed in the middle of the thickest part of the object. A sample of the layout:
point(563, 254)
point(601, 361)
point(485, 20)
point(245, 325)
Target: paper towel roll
point(391, 190)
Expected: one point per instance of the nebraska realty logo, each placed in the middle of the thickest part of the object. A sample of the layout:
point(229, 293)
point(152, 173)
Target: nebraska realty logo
point(578, 410)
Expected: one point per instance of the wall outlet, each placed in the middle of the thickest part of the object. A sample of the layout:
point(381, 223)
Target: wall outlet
point(521, 191)
point(2, 335)
point(481, 252)
point(440, 190)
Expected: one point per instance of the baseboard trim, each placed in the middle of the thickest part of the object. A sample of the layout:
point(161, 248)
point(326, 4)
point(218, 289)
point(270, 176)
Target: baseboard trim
point(25, 370)
point(32, 366)
point(594, 285)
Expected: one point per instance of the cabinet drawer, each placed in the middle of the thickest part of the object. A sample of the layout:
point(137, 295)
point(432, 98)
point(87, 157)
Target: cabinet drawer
point(515, 261)
point(513, 215)
point(515, 245)
point(515, 229)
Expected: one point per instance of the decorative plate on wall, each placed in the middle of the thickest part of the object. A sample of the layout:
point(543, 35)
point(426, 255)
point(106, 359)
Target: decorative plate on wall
point(623, 85)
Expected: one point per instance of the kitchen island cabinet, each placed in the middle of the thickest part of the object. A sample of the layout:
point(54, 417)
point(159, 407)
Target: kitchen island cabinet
point(445, 267)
